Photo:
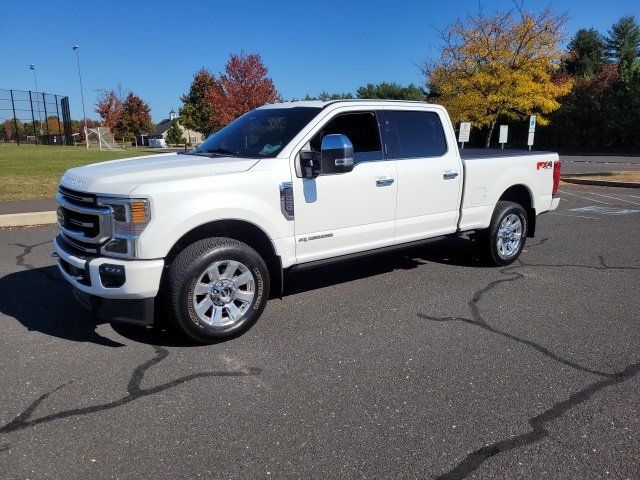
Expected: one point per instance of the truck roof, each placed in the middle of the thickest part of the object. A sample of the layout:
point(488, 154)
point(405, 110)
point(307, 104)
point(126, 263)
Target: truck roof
point(324, 104)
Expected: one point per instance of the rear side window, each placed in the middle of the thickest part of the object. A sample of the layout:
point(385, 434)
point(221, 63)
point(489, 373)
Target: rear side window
point(420, 134)
point(362, 130)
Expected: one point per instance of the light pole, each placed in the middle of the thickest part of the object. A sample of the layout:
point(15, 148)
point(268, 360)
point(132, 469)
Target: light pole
point(84, 115)
point(32, 67)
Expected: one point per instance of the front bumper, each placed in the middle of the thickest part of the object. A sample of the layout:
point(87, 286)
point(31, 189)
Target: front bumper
point(142, 277)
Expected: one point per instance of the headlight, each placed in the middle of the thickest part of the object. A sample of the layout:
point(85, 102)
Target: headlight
point(130, 218)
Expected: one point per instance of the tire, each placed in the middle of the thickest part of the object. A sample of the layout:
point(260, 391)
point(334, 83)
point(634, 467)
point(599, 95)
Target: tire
point(497, 244)
point(210, 307)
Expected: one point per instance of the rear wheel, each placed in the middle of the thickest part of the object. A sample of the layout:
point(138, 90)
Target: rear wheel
point(217, 289)
point(502, 243)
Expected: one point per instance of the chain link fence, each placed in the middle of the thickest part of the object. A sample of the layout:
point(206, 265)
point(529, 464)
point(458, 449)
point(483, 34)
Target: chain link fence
point(35, 117)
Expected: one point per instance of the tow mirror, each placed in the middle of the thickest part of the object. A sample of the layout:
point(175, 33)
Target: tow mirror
point(336, 154)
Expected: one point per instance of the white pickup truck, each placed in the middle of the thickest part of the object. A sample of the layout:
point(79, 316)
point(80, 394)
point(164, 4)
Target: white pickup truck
point(206, 237)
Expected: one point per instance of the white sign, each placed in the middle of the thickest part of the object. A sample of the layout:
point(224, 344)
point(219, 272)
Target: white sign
point(504, 133)
point(532, 124)
point(530, 139)
point(465, 131)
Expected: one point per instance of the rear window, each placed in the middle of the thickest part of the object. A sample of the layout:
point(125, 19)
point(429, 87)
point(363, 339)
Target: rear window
point(420, 134)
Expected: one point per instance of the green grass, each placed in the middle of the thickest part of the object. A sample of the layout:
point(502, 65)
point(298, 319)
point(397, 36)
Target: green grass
point(33, 171)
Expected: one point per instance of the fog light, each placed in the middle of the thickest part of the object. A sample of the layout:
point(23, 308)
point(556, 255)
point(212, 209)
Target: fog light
point(112, 276)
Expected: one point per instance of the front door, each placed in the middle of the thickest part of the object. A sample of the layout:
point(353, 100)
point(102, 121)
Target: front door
point(348, 212)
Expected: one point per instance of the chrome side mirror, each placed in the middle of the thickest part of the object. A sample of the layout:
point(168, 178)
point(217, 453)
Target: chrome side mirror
point(336, 154)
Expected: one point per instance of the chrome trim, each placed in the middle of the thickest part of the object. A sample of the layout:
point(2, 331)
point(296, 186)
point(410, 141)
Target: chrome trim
point(384, 182)
point(103, 214)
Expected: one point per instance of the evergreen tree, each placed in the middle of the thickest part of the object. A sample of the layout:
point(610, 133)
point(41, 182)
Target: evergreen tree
point(623, 43)
point(391, 91)
point(587, 54)
point(174, 134)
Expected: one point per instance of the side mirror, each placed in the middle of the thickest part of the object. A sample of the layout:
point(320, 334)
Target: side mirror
point(336, 154)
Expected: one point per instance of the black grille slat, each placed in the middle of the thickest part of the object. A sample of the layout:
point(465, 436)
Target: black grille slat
point(89, 225)
point(74, 247)
point(77, 198)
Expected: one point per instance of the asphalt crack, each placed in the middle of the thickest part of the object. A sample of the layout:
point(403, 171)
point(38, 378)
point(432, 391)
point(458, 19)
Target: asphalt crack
point(21, 260)
point(475, 459)
point(134, 392)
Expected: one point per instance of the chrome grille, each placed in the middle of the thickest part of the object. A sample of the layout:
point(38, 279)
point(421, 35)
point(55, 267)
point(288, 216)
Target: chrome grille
point(83, 223)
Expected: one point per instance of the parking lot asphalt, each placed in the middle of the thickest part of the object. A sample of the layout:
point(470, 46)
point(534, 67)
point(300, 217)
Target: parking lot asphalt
point(418, 364)
point(598, 163)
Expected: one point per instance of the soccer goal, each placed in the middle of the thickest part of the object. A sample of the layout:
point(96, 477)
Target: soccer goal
point(102, 138)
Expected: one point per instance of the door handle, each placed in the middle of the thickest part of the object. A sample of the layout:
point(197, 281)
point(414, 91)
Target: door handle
point(384, 182)
point(449, 175)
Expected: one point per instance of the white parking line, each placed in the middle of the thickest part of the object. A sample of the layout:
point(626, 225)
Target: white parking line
point(576, 216)
point(615, 198)
point(586, 198)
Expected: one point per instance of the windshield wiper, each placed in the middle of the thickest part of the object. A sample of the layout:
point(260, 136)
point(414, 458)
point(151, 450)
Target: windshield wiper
point(219, 151)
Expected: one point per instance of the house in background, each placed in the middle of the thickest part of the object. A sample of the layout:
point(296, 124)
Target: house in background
point(160, 131)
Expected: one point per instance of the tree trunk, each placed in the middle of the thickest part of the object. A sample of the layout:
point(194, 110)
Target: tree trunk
point(489, 133)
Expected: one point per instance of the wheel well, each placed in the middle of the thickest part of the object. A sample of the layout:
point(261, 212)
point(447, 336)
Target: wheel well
point(521, 195)
point(243, 231)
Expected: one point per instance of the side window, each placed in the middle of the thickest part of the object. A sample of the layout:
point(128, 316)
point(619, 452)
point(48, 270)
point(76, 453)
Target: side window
point(362, 130)
point(420, 134)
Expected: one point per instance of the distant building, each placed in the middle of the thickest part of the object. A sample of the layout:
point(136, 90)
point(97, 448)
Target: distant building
point(194, 138)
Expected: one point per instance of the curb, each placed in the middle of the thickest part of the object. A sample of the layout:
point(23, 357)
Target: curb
point(25, 219)
point(600, 183)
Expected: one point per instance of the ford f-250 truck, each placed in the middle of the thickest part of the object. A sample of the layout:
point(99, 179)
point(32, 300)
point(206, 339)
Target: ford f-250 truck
point(206, 237)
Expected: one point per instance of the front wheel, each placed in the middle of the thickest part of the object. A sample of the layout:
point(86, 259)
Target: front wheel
point(502, 243)
point(217, 289)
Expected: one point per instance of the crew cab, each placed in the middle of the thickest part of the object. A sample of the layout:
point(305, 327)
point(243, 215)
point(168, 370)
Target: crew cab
point(205, 238)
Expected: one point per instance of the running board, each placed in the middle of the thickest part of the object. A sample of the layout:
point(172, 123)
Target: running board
point(370, 253)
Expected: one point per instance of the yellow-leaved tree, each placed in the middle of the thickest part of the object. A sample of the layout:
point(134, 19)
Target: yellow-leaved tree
point(500, 66)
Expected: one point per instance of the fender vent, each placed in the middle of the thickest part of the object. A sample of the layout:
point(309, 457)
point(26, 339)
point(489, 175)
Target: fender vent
point(286, 200)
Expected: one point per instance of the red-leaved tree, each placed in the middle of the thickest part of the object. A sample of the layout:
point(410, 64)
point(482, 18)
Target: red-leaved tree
point(134, 118)
point(243, 87)
point(109, 107)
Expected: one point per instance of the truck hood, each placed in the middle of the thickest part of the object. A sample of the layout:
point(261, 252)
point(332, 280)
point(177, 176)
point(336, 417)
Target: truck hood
point(121, 177)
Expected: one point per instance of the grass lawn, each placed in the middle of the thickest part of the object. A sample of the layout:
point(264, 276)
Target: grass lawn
point(33, 171)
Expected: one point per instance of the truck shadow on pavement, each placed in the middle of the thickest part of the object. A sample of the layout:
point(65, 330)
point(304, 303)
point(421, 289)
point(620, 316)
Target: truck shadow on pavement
point(40, 299)
point(456, 251)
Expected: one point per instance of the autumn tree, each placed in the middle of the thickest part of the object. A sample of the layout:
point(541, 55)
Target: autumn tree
point(391, 91)
point(109, 107)
point(134, 118)
point(10, 128)
point(196, 113)
point(243, 87)
point(587, 54)
point(499, 66)
point(174, 134)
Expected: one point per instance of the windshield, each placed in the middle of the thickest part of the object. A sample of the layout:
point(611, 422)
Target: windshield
point(259, 133)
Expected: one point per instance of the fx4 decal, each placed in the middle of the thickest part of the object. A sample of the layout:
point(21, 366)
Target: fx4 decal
point(544, 165)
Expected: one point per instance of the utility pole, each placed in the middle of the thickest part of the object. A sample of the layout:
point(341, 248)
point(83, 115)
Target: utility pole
point(32, 67)
point(84, 115)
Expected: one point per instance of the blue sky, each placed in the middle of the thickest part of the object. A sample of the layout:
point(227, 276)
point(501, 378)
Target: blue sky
point(154, 47)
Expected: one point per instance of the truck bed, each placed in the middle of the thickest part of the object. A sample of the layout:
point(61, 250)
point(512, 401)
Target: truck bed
point(476, 153)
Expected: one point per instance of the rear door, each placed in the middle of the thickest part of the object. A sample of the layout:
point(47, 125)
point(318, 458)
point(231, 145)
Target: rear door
point(429, 174)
